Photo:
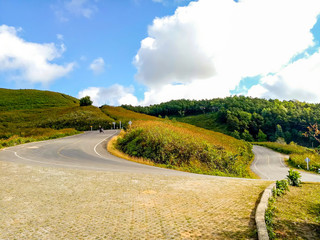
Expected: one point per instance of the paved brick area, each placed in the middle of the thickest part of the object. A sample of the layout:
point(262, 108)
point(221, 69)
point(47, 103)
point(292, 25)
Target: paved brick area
point(52, 203)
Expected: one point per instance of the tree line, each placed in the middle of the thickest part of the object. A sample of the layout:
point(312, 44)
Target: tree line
point(247, 118)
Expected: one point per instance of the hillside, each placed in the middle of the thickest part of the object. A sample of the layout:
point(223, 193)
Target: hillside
point(251, 119)
point(29, 115)
point(32, 99)
point(119, 113)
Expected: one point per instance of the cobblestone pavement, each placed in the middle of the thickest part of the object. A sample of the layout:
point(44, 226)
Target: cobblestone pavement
point(52, 203)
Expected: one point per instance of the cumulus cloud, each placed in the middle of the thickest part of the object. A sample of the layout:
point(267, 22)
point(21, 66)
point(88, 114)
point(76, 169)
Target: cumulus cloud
point(97, 66)
point(299, 80)
point(27, 61)
point(114, 95)
point(220, 42)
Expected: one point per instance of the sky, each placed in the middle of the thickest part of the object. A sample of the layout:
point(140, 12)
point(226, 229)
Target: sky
point(143, 52)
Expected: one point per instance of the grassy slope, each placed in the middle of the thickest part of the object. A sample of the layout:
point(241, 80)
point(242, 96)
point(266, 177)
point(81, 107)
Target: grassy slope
point(31, 99)
point(297, 214)
point(119, 113)
point(207, 121)
point(181, 146)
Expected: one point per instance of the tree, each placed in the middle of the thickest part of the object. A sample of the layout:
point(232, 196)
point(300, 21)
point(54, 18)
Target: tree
point(261, 136)
point(247, 136)
point(279, 132)
point(85, 101)
point(235, 134)
point(313, 131)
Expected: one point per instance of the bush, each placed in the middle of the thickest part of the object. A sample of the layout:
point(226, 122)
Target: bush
point(269, 214)
point(187, 147)
point(294, 178)
point(85, 101)
point(281, 187)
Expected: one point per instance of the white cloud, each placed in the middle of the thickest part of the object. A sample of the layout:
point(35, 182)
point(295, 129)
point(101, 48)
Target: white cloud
point(114, 95)
point(299, 80)
point(97, 66)
point(29, 61)
point(60, 37)
point(219, 42)
point(81, 8)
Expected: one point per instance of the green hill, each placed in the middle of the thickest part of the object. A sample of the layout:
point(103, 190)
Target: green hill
point(32, 99)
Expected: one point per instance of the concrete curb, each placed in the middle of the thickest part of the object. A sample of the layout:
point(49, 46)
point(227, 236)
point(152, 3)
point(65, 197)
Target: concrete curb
point(260, 213)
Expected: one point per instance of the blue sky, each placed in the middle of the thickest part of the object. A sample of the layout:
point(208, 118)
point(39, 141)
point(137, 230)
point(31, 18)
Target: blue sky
point(149, 51)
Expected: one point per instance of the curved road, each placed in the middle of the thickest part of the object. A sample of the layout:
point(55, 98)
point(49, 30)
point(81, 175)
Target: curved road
point(84, 151)
point(87, 151)
point(270, 165)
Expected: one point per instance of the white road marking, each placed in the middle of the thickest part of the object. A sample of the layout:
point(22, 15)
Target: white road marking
point(282, 162)
point(56, 164)
point(255, 166)
point(61, 164)
point(95, 147)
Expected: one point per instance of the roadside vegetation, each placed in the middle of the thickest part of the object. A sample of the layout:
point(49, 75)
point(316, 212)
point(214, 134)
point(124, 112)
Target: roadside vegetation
point(188, 148)
point(294, 209)
point(36, 134)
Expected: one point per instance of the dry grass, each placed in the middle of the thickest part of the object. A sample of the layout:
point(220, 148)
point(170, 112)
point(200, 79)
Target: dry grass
point(47, 203)
point(297, 214)
point(120, 113)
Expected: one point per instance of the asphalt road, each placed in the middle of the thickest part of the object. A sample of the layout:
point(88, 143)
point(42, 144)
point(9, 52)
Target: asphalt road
point(88, 151)
point(84, 151)
point(270, 165)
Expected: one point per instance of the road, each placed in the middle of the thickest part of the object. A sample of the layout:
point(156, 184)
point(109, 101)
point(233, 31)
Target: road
point(84, 151)
point(270, 165)
point(88, 151)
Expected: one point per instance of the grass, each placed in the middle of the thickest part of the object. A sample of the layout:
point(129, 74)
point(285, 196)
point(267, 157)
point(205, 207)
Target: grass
point(187, 148)
point(207, 121)
point(32, 99)
point(297, 155)
point(119, 113)
point(297, 214)
point(36, 134)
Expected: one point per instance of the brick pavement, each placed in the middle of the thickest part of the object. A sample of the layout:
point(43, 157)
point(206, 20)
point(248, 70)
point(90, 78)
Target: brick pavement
point(52, 203)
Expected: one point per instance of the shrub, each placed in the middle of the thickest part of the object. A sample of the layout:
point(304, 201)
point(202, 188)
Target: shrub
point(269, 214)
point(85, 101)
point(294, 178)
point(281, 187)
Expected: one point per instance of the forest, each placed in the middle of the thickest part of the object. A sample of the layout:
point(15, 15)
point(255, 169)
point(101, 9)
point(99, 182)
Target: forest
point(251, 119)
